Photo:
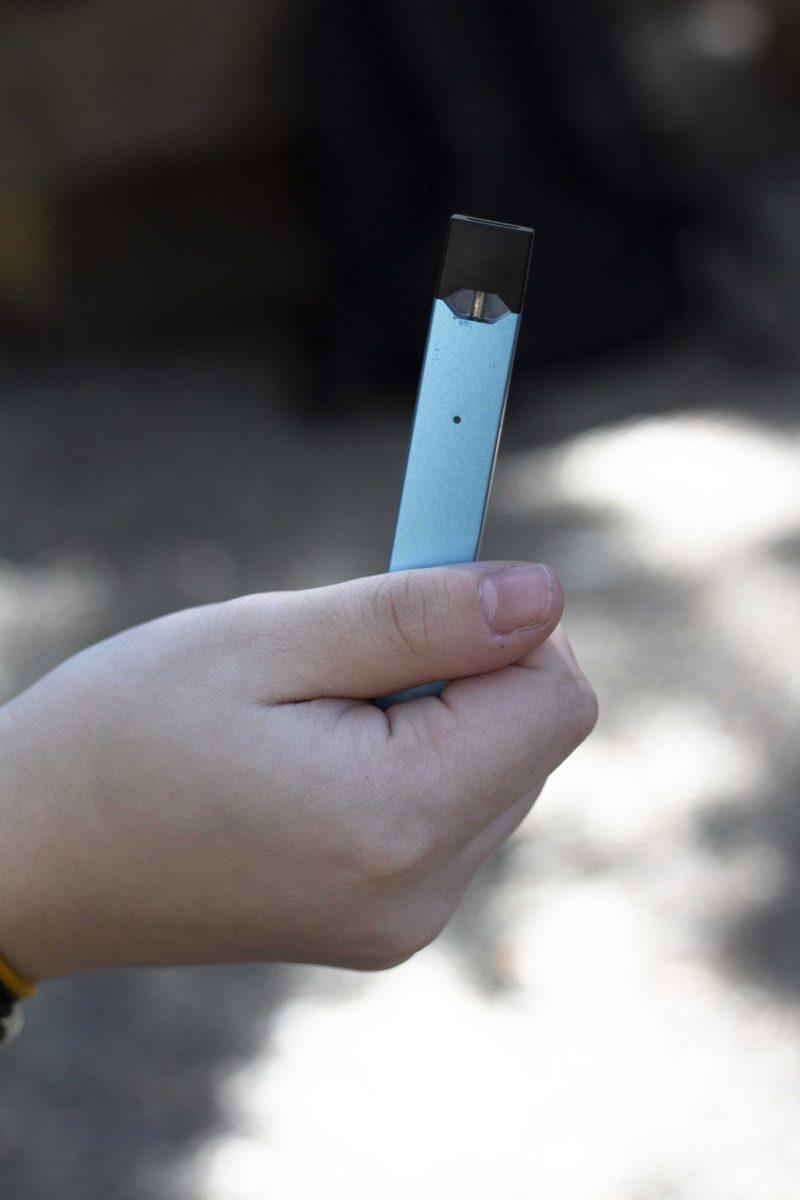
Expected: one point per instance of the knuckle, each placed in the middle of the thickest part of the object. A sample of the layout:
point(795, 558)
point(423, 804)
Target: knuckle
point(395, 941)
point(391, 850)
point(382, 957)
point(421, 753)
point(406, 609)
point(579, 705)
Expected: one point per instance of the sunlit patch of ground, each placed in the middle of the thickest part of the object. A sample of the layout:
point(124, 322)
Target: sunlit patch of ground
point(622, 1050)
point(615, 1012)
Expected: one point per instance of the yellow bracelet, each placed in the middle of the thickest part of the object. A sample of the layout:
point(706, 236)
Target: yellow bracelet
point(19, 988)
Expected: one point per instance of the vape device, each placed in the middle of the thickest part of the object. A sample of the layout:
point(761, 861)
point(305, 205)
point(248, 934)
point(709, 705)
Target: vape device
point(461, 401)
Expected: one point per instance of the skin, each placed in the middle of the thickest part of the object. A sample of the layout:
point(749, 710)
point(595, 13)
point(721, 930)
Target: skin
point(215, 786)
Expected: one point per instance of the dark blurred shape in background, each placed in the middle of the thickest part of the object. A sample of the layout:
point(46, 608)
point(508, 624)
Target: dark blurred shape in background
point(285, 169)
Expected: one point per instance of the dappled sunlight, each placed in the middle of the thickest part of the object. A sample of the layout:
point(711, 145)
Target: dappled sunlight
point(758, 615)
point(650, 779)
point(686, 491)
point(623, 1057)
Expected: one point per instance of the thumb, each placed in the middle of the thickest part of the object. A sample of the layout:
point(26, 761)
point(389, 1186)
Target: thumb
point(385, 633)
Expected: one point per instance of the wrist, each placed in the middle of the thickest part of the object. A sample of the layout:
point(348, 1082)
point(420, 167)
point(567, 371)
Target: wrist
point(37, 935)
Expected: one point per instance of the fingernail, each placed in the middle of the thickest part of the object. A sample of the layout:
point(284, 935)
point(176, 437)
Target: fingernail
point(517, 597)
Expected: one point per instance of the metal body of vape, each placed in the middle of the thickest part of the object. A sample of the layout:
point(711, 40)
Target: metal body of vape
point(462, 397)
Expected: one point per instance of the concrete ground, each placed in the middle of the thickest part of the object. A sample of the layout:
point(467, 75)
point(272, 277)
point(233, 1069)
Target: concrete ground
point(615, 1012)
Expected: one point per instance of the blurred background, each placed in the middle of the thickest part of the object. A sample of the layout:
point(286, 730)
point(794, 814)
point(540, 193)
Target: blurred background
point(220, 224)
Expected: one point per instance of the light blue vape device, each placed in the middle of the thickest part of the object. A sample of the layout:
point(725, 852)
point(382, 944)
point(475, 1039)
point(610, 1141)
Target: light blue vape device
point(461, 399)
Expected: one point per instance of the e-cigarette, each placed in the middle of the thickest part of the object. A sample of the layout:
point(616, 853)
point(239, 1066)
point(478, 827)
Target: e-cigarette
point(461, 400)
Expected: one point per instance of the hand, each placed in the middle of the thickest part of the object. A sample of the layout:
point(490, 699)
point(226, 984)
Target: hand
point(215, 785)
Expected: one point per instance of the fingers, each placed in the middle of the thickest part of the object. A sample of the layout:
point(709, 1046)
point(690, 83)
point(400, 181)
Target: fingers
point(382, 634)
point(556, 653)
point(493, 740)
point(536, 713)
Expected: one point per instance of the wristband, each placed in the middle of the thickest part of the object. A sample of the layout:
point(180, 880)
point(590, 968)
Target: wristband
point(13, 988)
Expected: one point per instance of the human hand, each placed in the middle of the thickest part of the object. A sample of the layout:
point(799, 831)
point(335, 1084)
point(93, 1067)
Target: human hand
point(215, 785)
